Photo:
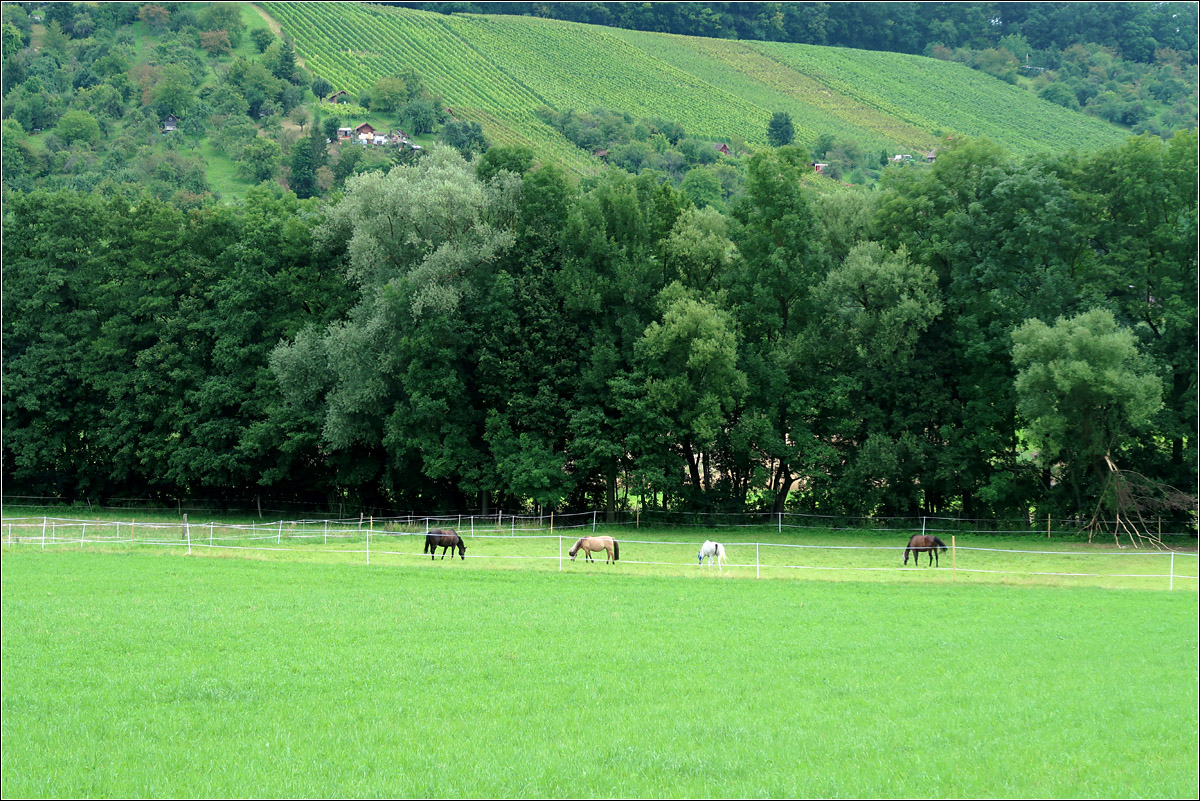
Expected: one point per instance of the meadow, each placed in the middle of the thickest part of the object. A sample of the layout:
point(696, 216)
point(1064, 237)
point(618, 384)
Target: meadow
point(140, 671)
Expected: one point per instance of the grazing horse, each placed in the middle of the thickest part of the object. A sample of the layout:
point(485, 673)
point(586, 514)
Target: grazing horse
point(924, 543)
point(607, 544)
point(444, 538)
point(713, 549)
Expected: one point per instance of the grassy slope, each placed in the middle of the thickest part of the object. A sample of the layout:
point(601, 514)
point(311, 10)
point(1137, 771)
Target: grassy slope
point(156, 675)
point(498, 70)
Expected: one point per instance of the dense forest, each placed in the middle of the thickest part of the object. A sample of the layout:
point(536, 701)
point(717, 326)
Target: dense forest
point(466, 326)
point(982, 335)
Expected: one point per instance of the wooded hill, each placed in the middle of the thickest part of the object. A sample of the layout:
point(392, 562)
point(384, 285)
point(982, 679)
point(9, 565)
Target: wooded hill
point(518, 323)
point(498, 70)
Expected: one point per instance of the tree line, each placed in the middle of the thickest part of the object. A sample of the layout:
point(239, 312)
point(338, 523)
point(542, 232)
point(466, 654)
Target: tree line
point(983, 335)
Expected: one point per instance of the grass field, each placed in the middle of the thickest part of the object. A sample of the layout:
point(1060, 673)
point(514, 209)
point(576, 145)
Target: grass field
point(138, 671)
point(532, 544)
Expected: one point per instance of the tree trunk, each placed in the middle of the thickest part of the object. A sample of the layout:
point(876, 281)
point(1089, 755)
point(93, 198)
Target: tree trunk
point(693, 467)
point(782, 486)
point(610, 495)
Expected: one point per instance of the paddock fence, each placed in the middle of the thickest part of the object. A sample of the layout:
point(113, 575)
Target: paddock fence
point(544, 541)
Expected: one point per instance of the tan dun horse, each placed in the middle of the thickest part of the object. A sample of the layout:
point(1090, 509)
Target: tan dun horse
point(607, 544)
point(924, 543)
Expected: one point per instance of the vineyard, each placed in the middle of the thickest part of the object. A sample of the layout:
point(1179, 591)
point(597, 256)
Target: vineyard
point(498, 70)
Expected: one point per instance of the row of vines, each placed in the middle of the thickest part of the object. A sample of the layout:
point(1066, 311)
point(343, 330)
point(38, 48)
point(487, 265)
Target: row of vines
point(499, 70)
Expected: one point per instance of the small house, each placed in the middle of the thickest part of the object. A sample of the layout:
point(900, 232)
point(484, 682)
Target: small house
point(171, 123)
point(723, 148)
point(819, 166)
point(931, 156)
point(340, 96)
point(345, 133)
point(365, 131)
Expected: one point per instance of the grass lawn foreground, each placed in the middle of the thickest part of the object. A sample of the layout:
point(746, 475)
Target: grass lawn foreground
point(148, 673)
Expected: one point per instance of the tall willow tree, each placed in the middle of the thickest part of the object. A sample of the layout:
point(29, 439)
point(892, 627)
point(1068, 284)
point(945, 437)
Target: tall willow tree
point(1084, 389)
point(397, 378)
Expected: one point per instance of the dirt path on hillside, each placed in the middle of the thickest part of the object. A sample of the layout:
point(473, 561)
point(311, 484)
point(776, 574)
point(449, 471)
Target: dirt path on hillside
point(276, 28)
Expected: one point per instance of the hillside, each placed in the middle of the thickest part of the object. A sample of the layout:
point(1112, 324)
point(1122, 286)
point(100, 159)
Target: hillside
point(498, 70)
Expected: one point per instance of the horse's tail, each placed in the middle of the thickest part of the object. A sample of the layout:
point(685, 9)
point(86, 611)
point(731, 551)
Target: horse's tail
point(616, 550)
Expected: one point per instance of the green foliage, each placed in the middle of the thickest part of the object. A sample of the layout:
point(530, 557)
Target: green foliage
point(514, 339)
point(78, 126)
point(421, 116)
point(1057, 93)
point(302, 179)
point(259, 160)
point(388, 94)
point(1082, 388)
point(513, 158)
point(779, 130)
point(321, 88)
point(262, 38)
point(466, 137)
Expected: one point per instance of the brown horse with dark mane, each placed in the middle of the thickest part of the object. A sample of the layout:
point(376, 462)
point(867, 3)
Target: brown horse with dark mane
point(607, 544)
point(444, 538)
point(924, 543)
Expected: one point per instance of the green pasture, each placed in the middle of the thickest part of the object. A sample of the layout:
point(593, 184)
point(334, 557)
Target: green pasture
point(143, 672)
point(534, 544)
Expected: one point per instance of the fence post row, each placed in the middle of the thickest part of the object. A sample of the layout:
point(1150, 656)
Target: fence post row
point(50, 534)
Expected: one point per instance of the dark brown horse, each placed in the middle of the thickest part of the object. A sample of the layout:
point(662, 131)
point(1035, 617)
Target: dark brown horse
point(924, 543)
point(444, 538)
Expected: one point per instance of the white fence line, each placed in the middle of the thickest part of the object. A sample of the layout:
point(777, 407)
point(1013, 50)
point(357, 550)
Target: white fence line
point(59, 532)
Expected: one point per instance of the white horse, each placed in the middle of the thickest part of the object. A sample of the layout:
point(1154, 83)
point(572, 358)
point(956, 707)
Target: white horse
point(714, 549)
